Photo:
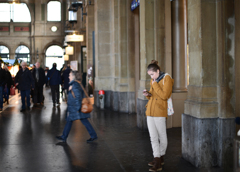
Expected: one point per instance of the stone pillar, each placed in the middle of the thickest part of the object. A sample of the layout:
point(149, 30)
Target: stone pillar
point(103, 54)
point(179, 59)
point(179, 45)
point(114, 45)
point(208, 123)
point(152, 33)
point(89, 36)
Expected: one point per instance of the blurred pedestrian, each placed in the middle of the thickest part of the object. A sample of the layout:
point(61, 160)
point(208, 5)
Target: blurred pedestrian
point(9, 83)
point(65, 79)
point(25, 82)
point(39, 78)
point(2, 84)
point(54, 78)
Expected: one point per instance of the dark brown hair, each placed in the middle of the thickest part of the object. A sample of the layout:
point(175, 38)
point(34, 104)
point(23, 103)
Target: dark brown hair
point(77, 75)
point(153, 66)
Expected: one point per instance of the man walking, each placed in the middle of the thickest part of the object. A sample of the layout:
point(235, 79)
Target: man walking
point(25, 82)
point(39, 77)
point(54, 78)
point(2, 84)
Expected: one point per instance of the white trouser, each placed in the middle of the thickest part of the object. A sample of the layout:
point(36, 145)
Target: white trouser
point(158, 135)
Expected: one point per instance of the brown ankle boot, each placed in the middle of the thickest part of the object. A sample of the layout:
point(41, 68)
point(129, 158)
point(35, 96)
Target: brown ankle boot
point(162, 160)
point(151, 163)
point(157, 165)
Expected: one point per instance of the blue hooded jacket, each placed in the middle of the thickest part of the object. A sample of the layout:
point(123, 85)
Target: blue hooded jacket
point(75, 102)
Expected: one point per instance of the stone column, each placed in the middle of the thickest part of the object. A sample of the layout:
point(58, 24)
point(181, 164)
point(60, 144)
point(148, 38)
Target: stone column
point(207, 123)
point(89, 38)
point(103, 53)
point(152, 33)
point(179, 45)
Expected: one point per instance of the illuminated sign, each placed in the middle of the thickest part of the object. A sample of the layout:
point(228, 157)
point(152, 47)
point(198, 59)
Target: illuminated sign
point(135, 4)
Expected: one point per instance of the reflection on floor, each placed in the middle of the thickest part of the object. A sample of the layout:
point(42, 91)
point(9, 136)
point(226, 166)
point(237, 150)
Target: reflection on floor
point(28, 144)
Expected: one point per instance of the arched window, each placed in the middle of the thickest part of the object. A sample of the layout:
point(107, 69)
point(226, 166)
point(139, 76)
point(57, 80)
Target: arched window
point(54, 11)
point(4, 52)
point(14, 12)
point(54, 54)
point(23, 53)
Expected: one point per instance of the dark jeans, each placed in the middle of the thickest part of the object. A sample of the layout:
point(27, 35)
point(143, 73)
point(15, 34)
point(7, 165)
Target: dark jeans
point(1, 97)
point(38, 94)
point(6, 94)
point(55, 93)
point(85, 122)
point(24, 94)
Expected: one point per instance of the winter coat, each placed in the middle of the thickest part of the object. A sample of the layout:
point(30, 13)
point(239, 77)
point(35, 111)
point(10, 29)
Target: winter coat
point(65, 78)
point(2, 77)
point(75, 102)
point(24, 79)
point(54, 76)
point(9, 80)
point(157, 103)
point(41, 74)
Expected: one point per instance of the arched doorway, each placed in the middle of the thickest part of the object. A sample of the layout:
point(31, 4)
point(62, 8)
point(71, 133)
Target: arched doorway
point(23, 53)
point(54, 54)
point(4, 52)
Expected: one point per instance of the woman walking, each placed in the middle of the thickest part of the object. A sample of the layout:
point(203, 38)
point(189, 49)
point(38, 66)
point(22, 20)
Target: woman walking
point(9, 83)
point(156, 112)
point(74, 104)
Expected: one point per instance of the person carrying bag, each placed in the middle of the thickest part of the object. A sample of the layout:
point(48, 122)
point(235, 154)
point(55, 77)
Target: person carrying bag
point(74, 105)
point(157, 112)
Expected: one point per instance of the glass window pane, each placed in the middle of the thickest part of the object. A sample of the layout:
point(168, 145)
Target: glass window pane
point(4, 12)
point(4, 49)
point(16, 12)
point(21, 13)
point(54, 50)
point(54, 11)
point(22, 49)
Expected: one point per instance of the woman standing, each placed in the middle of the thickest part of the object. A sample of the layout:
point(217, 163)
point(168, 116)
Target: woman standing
point(74, 103)
point(9, 83)
point(156, 112)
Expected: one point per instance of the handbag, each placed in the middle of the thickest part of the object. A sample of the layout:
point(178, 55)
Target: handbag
point(169, 101)
point(87, 106)
point(12, 91)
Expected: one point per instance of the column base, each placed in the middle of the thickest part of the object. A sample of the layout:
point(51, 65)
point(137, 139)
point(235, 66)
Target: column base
point(117, 101)
point(208, 142)
point(141, 116)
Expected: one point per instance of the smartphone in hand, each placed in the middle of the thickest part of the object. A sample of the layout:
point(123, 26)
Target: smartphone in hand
point(146, 92)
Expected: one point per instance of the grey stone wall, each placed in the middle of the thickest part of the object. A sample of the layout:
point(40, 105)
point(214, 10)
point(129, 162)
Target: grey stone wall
point(117, 101)
point(208, 142)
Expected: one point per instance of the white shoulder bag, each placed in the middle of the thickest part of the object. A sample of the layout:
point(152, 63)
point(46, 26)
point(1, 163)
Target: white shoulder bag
point(169, 101)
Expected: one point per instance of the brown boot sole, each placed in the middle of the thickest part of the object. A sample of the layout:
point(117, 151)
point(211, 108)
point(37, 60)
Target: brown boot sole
point(159, 169)
point(150, 165)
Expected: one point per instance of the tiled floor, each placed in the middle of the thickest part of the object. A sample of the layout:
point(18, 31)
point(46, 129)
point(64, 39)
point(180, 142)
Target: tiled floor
point(28, 144)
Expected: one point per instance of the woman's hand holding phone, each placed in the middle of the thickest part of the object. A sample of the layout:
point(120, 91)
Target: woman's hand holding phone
point(146, 93)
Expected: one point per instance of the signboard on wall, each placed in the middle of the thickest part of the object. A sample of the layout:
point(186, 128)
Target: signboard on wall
point(74, 65)
point(4, 29)
point(21, 29)
point(135, 4)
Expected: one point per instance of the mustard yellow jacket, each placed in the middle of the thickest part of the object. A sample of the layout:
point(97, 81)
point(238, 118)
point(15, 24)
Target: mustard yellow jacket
point(157, 103)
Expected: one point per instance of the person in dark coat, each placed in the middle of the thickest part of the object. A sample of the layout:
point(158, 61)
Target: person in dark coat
point(65, 79)
point(54, 77)
point(9, 83)
point(74, 104)
point(39, 77)
point(2, 84)
point(25, 82)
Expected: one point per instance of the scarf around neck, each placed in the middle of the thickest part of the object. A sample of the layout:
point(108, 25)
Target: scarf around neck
point(161, 76)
